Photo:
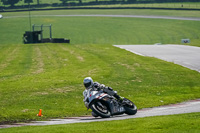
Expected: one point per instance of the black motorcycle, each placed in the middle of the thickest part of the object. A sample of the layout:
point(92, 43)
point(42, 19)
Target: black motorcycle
point(104, 105)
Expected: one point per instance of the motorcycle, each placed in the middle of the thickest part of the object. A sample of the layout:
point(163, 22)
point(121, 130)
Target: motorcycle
point(104, 105)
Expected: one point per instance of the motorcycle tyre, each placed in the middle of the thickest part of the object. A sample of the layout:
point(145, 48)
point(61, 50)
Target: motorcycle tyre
point(94, 114)
point(130, 110)
point(99, 113)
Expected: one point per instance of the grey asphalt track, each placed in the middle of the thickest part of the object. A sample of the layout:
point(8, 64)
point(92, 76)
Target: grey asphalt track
point(187, 56)
point(124, 16)
point(180, 108)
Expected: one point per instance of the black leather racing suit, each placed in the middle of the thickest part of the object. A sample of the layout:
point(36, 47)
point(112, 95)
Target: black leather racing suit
point(97, 87)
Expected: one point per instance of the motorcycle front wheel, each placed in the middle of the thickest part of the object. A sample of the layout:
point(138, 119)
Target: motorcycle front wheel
point(101, 109)
point(130, 107)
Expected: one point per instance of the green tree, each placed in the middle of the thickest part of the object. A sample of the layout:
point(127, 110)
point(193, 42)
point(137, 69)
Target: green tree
point(131, 1)
point(80, 1)
point(28, 1)
point(38, 2)
point(64, 1)
point(10, 2)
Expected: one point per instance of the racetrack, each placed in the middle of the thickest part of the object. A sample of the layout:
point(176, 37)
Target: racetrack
point(187, 56)
point(124, 16)
point(180, 108)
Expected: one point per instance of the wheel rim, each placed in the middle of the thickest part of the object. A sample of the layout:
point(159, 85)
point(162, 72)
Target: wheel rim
point(101, 108)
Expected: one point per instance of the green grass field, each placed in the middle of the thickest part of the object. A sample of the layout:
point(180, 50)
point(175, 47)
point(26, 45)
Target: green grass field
point(49, 76)
point(97, 29)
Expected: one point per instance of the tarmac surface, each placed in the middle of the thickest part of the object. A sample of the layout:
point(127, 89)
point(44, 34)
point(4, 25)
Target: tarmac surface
point(180, 108)
point(187, 56)
point(124, 16)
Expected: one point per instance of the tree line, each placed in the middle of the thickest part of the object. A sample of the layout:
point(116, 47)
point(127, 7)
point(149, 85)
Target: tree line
point(13, 2)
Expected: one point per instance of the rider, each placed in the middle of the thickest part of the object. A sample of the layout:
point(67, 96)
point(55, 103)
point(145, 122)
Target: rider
point(89, 84)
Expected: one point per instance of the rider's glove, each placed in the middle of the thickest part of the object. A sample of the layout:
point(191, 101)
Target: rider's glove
point(109, 88)
point(102, 86)
point(96, 85)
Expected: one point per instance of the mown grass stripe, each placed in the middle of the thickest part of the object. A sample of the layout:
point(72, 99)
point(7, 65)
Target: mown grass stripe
point(9, 55)
point(38, 64)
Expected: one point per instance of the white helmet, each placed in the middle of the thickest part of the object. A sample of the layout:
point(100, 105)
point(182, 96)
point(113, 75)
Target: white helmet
point(88, 82)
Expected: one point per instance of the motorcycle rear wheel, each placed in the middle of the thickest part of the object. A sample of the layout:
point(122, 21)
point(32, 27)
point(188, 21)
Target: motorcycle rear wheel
point(101, 109)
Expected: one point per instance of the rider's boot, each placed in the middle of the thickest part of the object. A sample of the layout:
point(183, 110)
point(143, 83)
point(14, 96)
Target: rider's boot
point(119, 98)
